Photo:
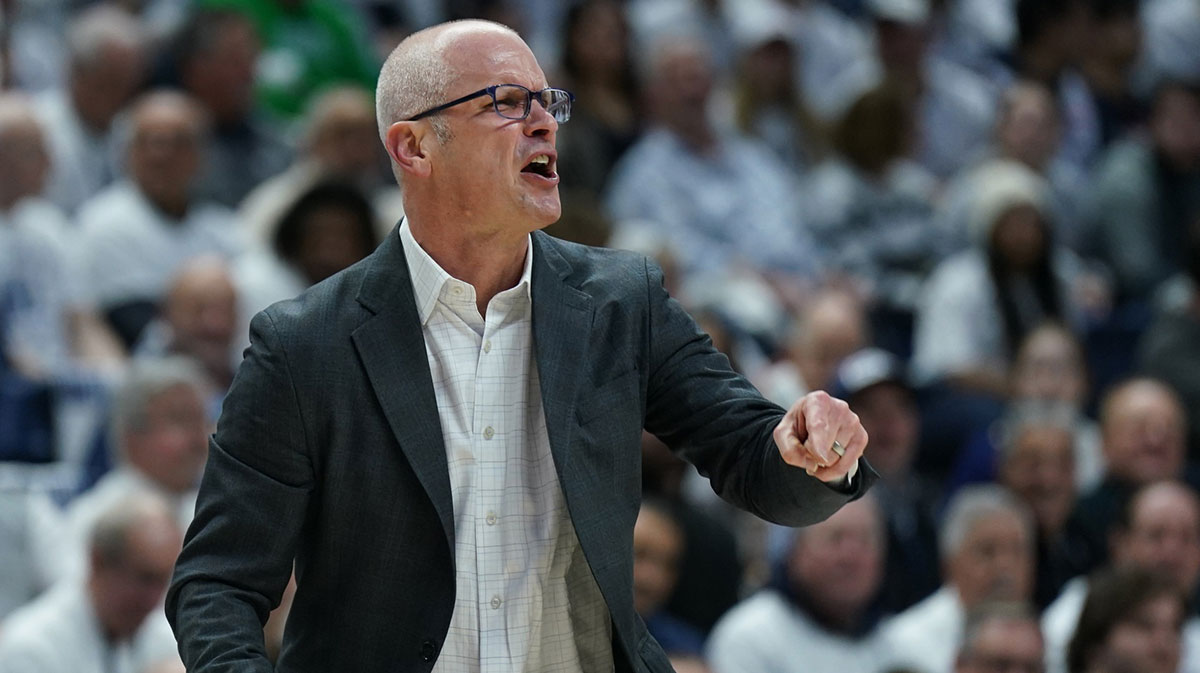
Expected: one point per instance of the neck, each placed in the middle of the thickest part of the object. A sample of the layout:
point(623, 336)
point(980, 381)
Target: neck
point(490, 262)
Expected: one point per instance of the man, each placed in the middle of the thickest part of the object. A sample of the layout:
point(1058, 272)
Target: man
point(138, 232)
point(987, 555)
point(159, 428)
point(1001, 637)
point(817, 616)
point(108, 622)
point(445, 438)
point(1160, 532)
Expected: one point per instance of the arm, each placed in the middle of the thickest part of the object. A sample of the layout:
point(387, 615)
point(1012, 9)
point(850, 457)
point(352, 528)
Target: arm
point(238, 554)
point(713, 418)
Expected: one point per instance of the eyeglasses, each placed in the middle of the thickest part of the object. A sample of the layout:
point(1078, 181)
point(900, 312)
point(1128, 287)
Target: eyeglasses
point(513, 101)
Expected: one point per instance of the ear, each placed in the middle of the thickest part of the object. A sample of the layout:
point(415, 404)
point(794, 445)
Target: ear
point(407, 144)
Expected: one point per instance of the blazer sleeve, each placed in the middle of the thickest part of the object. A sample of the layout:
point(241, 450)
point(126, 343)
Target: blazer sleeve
point(238, 553)
point(715, 419)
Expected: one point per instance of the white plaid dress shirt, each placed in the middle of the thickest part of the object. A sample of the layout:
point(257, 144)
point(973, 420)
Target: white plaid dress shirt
point(525, 597)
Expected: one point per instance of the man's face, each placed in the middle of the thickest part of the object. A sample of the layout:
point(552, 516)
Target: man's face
point(1050, 367)
point(164, 154)
point(172, 444)
point(1040, 469)
point(994, 562)
point(202, 312)
point(1008, 645)
point(1144, 434)
point(106, 84)
point(128, 590)
point(1164, 535)
point(838, 563)
point(24, 162)
point(482, 173)
point(657, 546)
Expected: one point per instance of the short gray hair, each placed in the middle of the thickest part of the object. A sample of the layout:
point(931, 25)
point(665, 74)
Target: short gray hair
point(146, 380)
point(416, 75)
point(109, 536)
point(974, 503)
point(1035, 414)
point(101, 26)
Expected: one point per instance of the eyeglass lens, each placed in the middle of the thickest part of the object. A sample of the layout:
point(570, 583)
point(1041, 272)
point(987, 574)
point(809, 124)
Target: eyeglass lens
point(513, 102)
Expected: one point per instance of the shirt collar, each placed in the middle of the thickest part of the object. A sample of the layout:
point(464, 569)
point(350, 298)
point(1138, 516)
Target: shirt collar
point(429, 278)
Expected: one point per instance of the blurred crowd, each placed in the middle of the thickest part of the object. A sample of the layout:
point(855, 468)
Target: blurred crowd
point(977, 221)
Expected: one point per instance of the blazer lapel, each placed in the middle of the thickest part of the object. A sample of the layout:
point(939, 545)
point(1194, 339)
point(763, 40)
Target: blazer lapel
point(392, 348)
point(562, 321)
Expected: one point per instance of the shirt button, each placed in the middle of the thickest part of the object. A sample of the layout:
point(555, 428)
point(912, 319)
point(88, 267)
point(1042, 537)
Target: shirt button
point(488, 432)
point(495, 602)
point(456, 289)
point(487, 346)
point(491, 518)
point(428, 650)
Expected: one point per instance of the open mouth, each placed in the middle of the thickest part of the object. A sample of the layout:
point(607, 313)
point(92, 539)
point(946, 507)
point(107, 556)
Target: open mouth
point(541, 165)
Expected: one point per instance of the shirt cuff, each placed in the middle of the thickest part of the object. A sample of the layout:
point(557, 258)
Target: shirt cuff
point(845, 483)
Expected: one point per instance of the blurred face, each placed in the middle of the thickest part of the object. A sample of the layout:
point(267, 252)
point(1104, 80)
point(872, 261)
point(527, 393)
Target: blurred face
point(1118, 39)
point(348, 143)
point(103, 87)
point(1144, 434)
point(1004, 646)
point(483, 172)
point(682, 83)
point(1050, 368)
point(833, 330)
point(838, 563)
point(171, 446)
point(767, 68)
point(223, 77)
point(994, 562)
point(901, 46)
point(332, 241)
point(1019, 237)
point(657, 545)
point(1147, 642)
point(599, 42)
point(1164, 535)
point(164, 155)
point(889, 415)
point(1175, 126)
point(24, 162)
point(202, 312)
point(1029, 130)
point(1040, 469)
point(126, 591)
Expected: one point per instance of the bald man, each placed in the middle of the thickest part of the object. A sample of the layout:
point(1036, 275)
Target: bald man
point(445, 438)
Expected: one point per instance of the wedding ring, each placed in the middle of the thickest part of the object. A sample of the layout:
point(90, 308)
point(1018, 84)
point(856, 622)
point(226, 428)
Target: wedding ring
point(838, 448)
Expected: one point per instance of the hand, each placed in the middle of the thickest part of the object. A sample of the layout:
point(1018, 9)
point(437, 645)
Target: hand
point(808, 430)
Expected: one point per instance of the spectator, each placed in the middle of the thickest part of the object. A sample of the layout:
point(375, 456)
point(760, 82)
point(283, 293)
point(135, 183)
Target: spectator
point(1159, 533)
point(159, 434)
point(1001, 637)
point(1143, 431)
point(1113, 50)
point(872, 209)
point(216, 52)
point(872, 381)
point(106, 63)
point(1037, 463)
point(199, 321)
point(340, 142)
point(1144, 193)
point(979, 304)
point(1130, 622)
point(658, 542)
point(598, 67)
point(1169, 349)
point(817, 615)
point(723, 201)
point(987, 546)
point(110, 622)
point(329, 227)
point(308, 45)
point(137, 232)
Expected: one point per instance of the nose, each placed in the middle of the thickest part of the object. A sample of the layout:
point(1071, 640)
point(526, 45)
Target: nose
point(540, 122)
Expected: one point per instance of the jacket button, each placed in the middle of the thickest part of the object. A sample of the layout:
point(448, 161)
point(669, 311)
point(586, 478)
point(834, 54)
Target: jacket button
point(428, 650)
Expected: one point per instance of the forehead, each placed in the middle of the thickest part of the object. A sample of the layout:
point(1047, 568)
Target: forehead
point(483, 58)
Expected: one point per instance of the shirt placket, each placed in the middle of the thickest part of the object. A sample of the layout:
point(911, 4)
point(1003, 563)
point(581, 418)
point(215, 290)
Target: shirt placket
point(490, 426)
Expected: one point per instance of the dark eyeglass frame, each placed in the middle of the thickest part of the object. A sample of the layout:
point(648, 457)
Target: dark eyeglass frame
point(491, 91)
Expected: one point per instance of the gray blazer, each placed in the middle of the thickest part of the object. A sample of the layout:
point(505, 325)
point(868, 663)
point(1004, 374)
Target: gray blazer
point(329, 452)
